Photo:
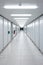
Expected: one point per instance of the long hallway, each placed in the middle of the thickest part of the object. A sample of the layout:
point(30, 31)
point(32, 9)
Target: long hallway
point(21, 51)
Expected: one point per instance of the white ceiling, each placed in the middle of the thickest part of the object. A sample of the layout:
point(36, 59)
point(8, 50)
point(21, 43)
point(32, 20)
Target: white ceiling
point(35, 13)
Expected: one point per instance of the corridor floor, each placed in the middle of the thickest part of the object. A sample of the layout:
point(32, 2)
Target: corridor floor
point(21, 51)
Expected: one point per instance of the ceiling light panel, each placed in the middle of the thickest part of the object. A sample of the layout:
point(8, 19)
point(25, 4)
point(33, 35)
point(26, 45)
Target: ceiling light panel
point(21, 18)
point(21, 14)
point(21, 7)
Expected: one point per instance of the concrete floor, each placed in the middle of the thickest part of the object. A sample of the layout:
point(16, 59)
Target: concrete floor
point(21, 51)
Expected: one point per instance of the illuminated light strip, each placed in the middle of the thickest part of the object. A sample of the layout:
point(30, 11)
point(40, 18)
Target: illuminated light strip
point(21, 14)
point(21, 7)
point(20, 18)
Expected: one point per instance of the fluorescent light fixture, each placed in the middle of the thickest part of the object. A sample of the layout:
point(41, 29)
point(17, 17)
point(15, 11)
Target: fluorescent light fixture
point(21, 18)
point(21, 14)
point(21, 7)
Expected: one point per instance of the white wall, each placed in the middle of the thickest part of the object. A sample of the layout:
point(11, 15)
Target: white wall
point(5, 27)
point(41, 33)
point(5, 32)
point(35, 32)
point(29, 30)
point(9, 29)
point(36, 26)
point(33, 29)
point(1, 33)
